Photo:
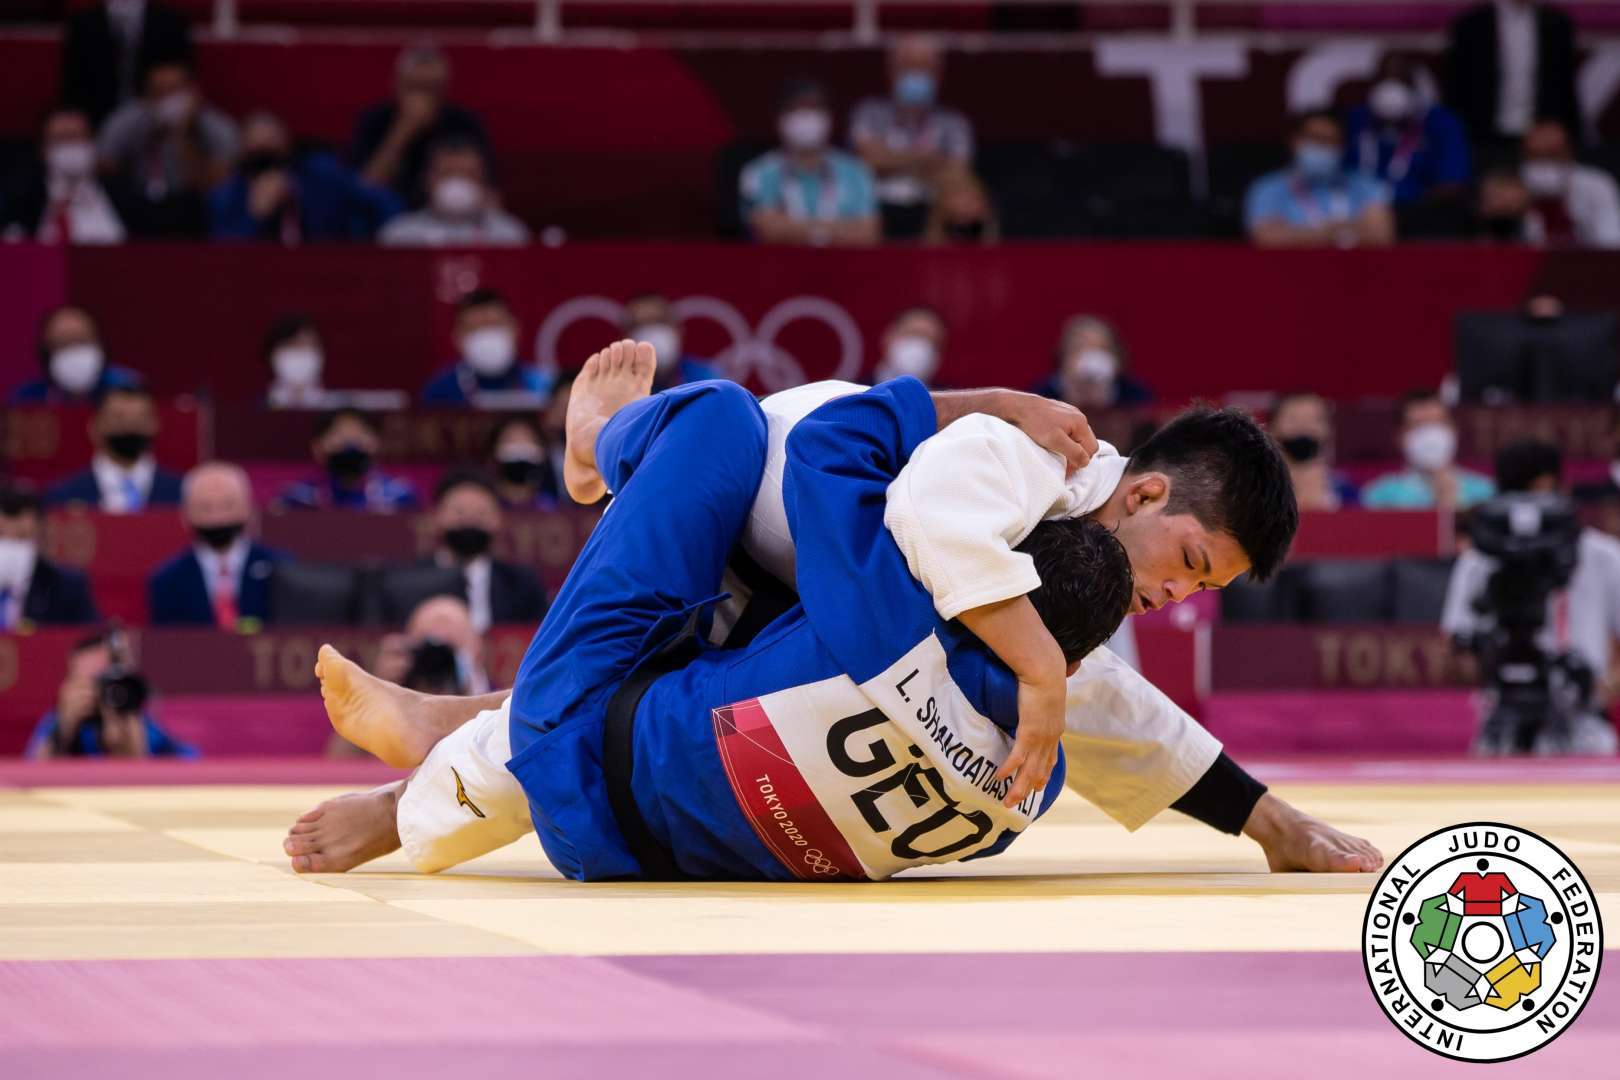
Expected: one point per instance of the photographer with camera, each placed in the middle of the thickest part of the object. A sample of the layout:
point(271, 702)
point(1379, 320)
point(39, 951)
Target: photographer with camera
point(1537, 599)
point(101, 708)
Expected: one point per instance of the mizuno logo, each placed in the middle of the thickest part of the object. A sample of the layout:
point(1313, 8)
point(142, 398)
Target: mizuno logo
point(461, 794)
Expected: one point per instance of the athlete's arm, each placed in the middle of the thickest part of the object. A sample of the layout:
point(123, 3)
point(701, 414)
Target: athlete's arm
point(1054, 425)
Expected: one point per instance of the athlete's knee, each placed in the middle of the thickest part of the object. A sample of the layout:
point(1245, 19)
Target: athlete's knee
point(732, 418)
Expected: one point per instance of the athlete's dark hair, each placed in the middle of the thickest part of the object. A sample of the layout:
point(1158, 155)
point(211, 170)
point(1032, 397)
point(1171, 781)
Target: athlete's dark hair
point(1085, 587)
point(1227, 472)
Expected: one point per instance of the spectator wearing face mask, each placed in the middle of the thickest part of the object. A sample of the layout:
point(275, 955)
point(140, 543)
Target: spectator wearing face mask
point(908, 139)
point(962, 212)
point(61, 201)
point(1092, 367)
point(486, 335)
point(649, 317)
point(1417, 148)
point(466, 523)
point(1432, 479)
point(164, 151)
point(1570, 205)
point(34, 591)
point(123, 477)
point(913, 344)
point(1303, 428)
point(223, 578)
point(806, 192)
point(462, 210)
point(527, 476)
point(75, 368)
point(108, 48)
point(391, 140)
point(1317, 202)
point(345, 447)
point(293, 352)
point(277, 195)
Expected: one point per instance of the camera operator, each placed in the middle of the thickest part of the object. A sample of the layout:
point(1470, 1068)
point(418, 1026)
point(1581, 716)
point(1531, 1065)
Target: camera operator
point(1573, 639)
point(101, 708)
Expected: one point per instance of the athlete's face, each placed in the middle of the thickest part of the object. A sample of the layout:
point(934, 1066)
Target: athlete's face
point(1172, 555)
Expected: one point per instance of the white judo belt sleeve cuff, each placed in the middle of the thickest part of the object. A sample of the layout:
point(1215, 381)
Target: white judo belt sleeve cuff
point(461, 802)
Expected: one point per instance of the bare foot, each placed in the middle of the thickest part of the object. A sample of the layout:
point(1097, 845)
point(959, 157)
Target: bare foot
point(1294, 840)
point(610, 380)
point(344, 832)
point(377, 716)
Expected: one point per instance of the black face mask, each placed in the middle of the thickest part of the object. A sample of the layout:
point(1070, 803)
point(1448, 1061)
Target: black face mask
point(348, 464)
point(968, 231)
point(520, 472)
point(128, 446)
point(1503, 228)
point(219, 537)
point(1301, 448)
point(257, 164)
point(468, 541)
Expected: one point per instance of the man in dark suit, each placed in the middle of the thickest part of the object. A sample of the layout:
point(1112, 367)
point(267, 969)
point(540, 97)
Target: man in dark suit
point(34, 590)
point(223, 579)
point(1509, 63)
point(107, 50)
point(466, 521)
point(123, 477)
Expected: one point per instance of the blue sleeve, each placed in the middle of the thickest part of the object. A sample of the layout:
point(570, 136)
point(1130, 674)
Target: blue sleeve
point(862, 191)
point(754, 189)
point(43, 733)
point(161, 744)
point(857, 591)
point(1450, 143)
point(228, 217)
point(1266, 201)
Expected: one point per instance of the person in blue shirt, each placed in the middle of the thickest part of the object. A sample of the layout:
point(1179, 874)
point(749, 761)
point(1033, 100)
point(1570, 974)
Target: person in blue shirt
point(74, 368)
point(487, 370)
point(100, 714)
point(649, 317)
point(1432, 479)
point(1316, 201)
point(807, 192)
point(1418, 148)
point(345, 446)
point(1302, 424)
point(286, 198)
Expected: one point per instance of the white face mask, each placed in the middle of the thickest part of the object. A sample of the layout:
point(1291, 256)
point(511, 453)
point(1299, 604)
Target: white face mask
point(457, 196)
point(490, 350)
point(75, 368)
point(1546, 178)
point(16, 561)
point(909, 355)
point(805, 129)
point(1391, 100)
point(665, 340)
point(71, 160)
point(172, 107)
point(297, 365)
point(1096, 365)
point(1429, 447)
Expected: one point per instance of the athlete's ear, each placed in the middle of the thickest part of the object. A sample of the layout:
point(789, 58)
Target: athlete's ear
point(1147, 490)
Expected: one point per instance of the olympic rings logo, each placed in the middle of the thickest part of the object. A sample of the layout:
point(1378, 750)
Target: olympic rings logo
point(751, 352)
point(818, 862)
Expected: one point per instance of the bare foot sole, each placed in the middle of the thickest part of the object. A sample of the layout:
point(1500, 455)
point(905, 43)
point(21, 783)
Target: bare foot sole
point(377, 716)
point(610, 380)
point(344, 832)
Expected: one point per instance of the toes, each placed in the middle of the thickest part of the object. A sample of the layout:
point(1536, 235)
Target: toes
point(645, 359)
point(302, 864)
point(309, 816)
point(301, 844)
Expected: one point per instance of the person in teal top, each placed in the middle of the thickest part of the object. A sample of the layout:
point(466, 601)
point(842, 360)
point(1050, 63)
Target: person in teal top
point(1432, 479)
point(806, 192)
point(1316, 201)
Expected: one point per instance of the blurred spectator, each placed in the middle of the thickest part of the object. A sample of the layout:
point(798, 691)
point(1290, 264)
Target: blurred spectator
point(1316, 202)
point(1583, 617)
point(1303, 428)
point(60, 201)
point(462, 210)
point(908, 139)
point(1607, 489)
point(277, 195)
point(1503, 210)
point(649, 317)
point(1093, 368)
point(293, 353)
point(525, 475)
point(1509, 62)
point(807, 192)
point(223, 578)
point(1432, 479)
point(107, 50)
point(345, 447)
point(1570, 204)
point(456, 667)
point(164, 151)
point(391, 140)
point(486, 335)
point(123, 477)
point(1416, 147)
point(913, 344)
point(466, 522)
point(76, 371)
point(101, 709)
point(962, 212)
point(33, 590)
